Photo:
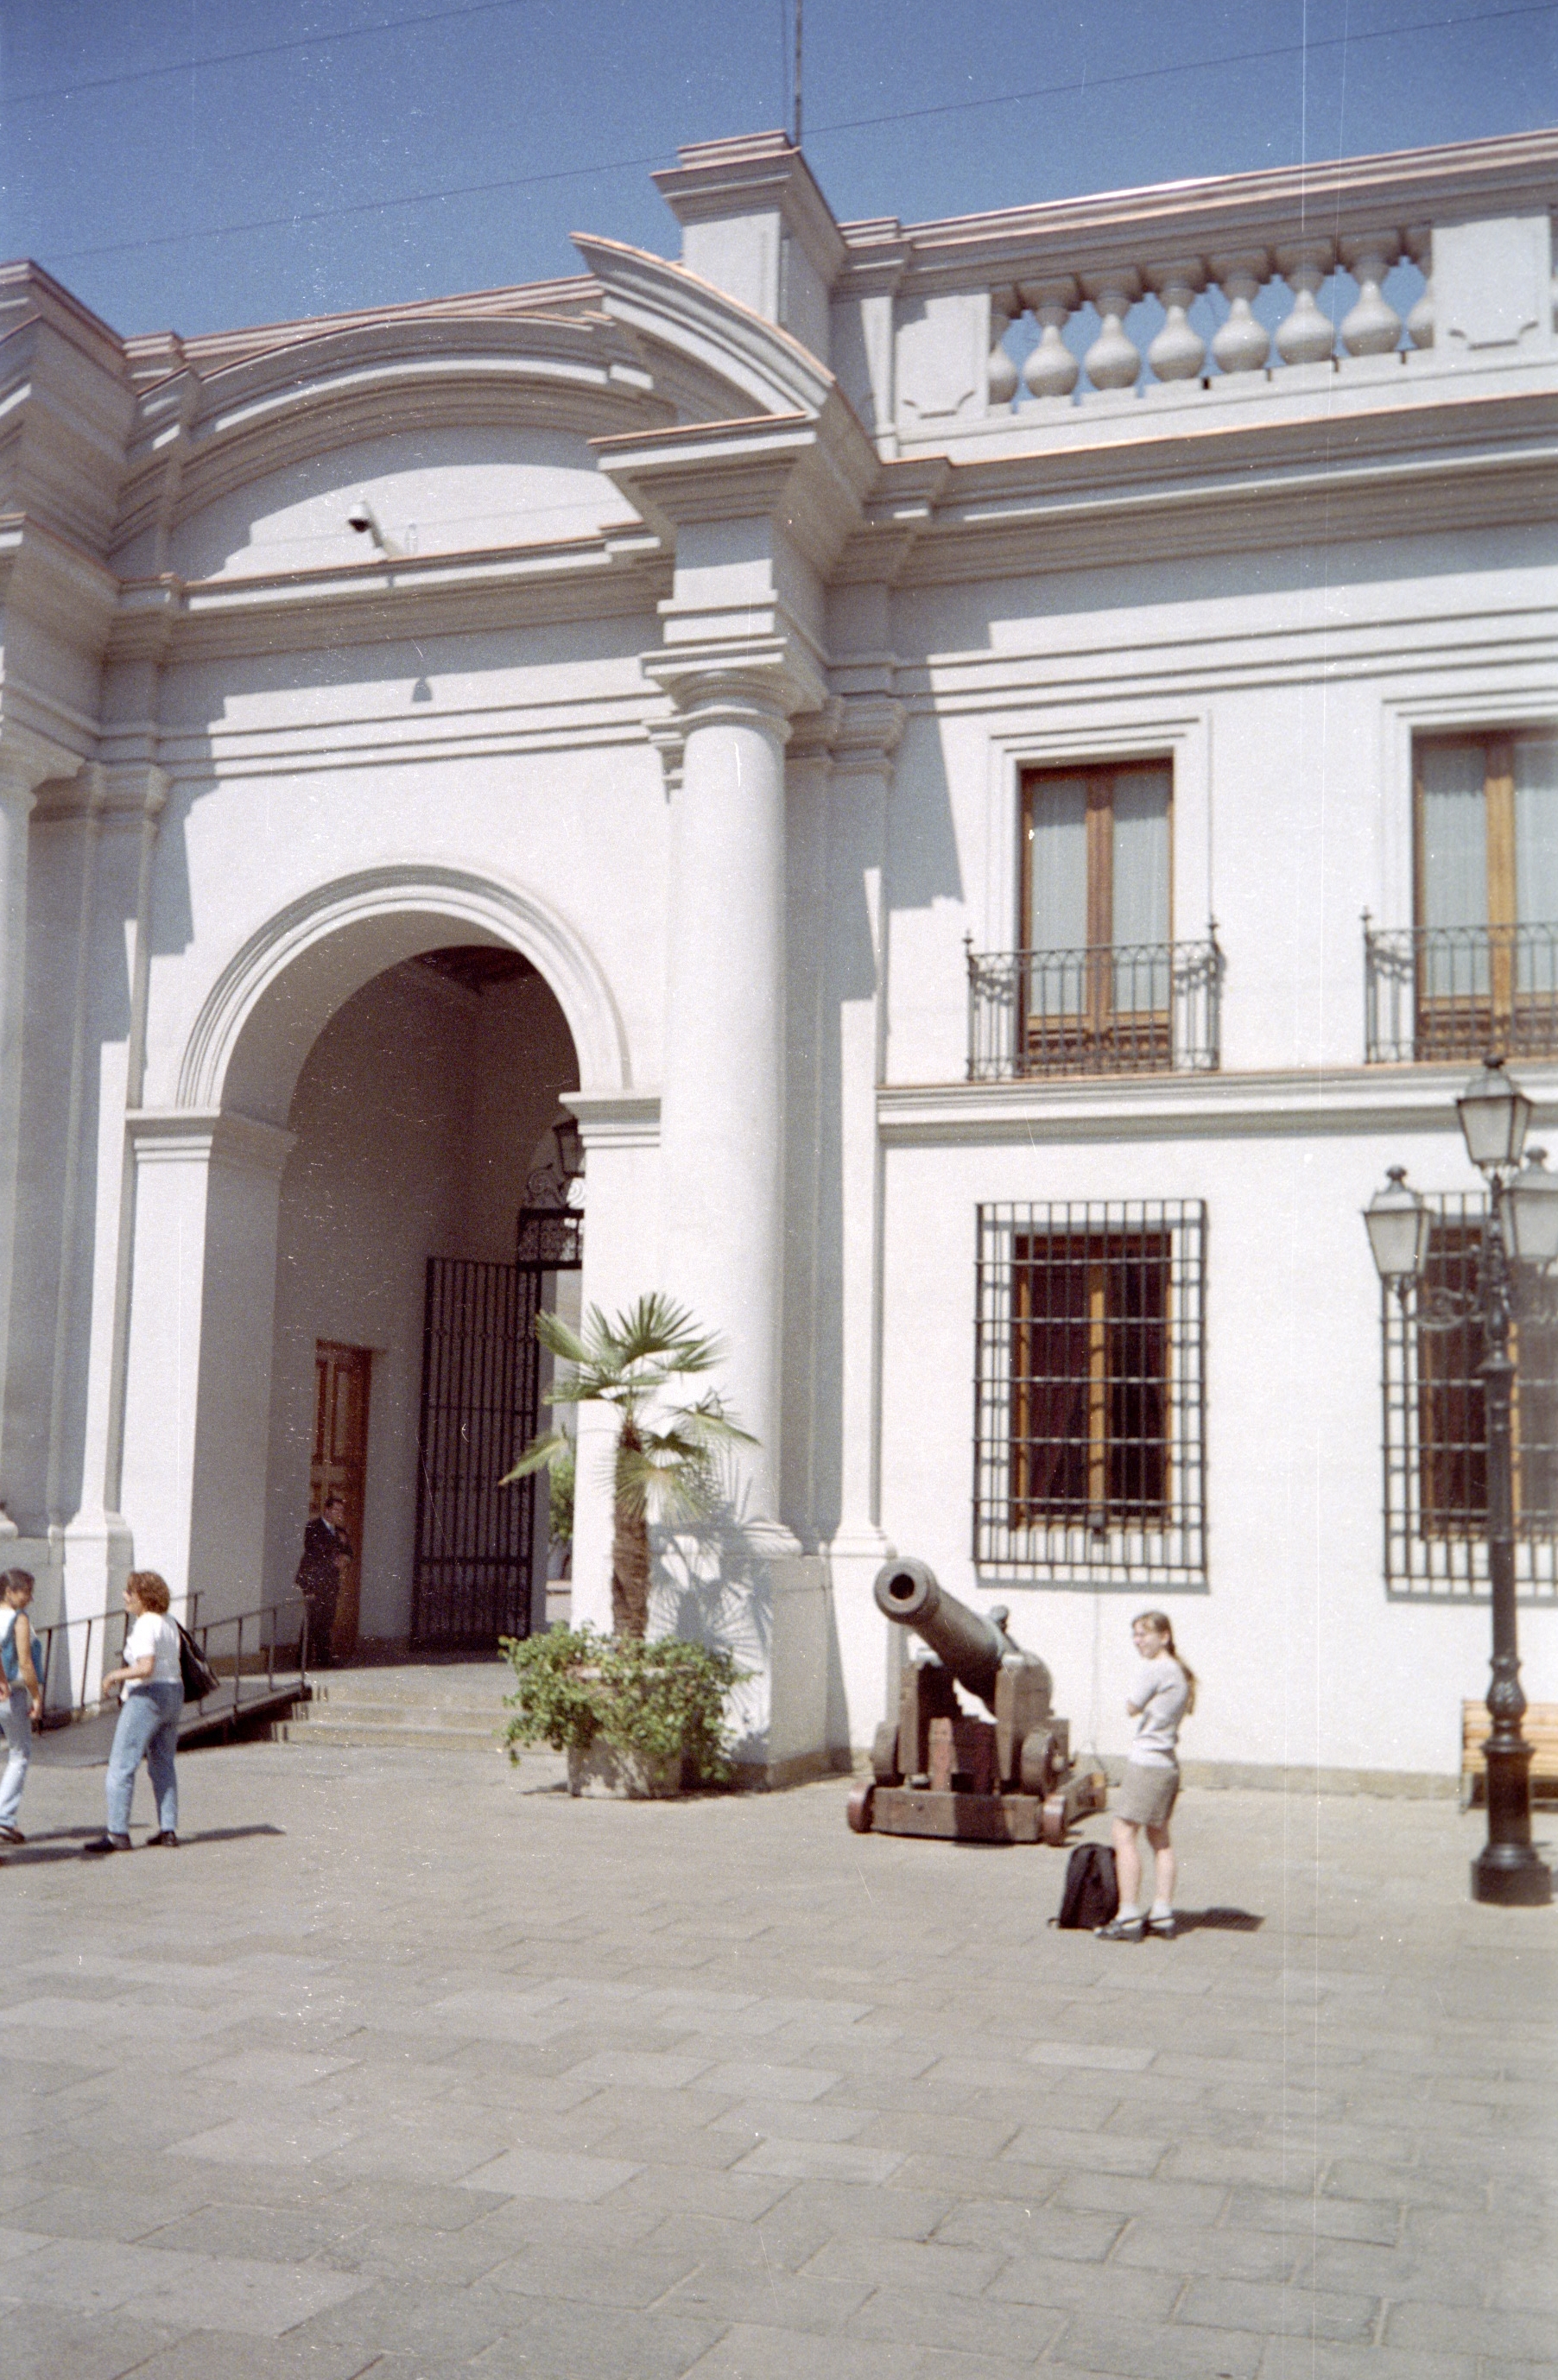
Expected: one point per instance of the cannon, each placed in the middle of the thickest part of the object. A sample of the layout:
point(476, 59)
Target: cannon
point(935, 1770)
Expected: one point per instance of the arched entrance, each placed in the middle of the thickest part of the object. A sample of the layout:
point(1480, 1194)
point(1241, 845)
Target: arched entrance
point(366, 1087)
point(404, 1367)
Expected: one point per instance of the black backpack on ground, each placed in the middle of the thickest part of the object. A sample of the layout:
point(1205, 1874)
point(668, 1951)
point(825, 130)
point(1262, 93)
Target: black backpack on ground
point(1091, 1895)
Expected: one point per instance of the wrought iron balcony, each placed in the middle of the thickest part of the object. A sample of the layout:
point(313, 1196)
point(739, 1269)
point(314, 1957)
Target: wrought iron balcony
point(1128, 1008)
point(1449, 992)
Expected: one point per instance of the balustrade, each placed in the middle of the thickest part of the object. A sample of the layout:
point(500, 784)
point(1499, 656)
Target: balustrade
point(1123, 1008)
point(1176, 353)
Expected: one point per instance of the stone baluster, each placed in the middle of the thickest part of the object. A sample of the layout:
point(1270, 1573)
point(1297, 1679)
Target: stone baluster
point(1112, 361)
point(1373, 327)
point(1305, 335)
point(1241, 346)
point(1051, 370)
point(1004, 307)
point(1177, 352)
point(1420, 322)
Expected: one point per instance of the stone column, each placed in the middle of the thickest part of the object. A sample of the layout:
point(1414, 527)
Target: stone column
point(16, 796)
point(721, 1176)
point(722, 1134)
point(25, 762)
point(855, 1012)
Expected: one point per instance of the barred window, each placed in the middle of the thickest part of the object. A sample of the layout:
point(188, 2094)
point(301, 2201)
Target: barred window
point(1436, 1461)
point(1089, 1416)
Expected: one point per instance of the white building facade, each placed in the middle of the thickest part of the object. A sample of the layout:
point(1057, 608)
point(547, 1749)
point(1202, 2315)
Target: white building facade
point(895, 730)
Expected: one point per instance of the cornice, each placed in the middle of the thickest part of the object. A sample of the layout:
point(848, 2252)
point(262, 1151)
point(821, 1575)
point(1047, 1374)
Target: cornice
point(1457, 460)
point(55, 582)
point(812, 473)
point(374, 601)
point(1297, 1100)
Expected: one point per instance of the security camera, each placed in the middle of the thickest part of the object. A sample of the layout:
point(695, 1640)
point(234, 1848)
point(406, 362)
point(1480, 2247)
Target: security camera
point(366, 521)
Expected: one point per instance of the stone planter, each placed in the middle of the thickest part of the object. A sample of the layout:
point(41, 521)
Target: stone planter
point(603, 1768)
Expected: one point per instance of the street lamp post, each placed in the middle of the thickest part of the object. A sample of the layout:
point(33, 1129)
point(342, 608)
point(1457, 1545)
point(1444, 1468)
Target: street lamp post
point(1522, 1229)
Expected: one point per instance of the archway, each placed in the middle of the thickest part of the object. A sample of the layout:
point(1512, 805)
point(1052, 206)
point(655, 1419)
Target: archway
point(404, 1368)
point(364, 1088)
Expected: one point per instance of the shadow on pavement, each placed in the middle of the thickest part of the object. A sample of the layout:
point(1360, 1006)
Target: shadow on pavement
point(65, 1842)
point(1226, 1921)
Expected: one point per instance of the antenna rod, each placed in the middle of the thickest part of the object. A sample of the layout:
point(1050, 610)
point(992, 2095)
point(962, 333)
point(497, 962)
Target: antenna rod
point(799, 17)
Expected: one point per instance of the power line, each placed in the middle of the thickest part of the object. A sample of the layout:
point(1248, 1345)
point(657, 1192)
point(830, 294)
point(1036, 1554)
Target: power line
point(856, 124)
point(364, 207)
point(265, 50)
point(1194, 66)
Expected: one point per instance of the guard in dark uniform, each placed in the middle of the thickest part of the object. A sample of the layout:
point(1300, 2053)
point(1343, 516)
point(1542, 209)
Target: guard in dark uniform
point(326, 1551)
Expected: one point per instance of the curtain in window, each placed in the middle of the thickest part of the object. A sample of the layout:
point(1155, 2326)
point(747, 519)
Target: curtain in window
point(1453, 865)
point(1058, 863)
point(1536, 861)
point(1140, 874)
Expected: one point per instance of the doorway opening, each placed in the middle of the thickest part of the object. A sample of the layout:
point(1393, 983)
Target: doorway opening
point(419, 1115)
point(341, 1379)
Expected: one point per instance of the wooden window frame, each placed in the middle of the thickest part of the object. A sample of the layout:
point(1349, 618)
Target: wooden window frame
point(1494, 1019)
point(1099, 1018)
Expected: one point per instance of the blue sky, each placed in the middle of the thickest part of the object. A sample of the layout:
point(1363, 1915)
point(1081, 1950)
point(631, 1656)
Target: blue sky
point(192, 163)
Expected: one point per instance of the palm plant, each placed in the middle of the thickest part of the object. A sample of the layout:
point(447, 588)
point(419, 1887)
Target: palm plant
point(664, 1465)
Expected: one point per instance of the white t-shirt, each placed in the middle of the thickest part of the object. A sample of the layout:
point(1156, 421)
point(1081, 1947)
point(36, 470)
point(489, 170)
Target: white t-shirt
point(1160, 1692)
point(154, 1632)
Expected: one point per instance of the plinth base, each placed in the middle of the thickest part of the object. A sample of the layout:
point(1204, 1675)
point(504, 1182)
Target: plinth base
point(1524, 1883)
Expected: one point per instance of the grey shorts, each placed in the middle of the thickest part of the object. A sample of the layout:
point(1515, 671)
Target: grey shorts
point(1145, 1796)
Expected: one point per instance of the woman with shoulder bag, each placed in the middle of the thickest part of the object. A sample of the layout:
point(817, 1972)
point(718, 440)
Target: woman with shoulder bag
point(149, 1706)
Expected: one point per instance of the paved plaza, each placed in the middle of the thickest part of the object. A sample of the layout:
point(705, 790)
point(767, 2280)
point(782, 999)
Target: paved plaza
point(407, 2065)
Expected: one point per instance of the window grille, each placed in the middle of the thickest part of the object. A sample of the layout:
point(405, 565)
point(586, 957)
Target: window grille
point(1436, 1465)
point(1090, 1397)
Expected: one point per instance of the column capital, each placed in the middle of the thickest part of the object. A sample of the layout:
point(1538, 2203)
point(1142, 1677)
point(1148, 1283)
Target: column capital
point(208, 1137)
point(746, 682)
point(869, 730)
point(28, 761)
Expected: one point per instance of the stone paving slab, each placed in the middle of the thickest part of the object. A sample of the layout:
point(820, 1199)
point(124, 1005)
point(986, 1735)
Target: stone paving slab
point(407, 2066)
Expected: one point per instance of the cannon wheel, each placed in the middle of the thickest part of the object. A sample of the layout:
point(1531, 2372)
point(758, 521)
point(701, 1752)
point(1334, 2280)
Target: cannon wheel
point(858, 1809)
point(1055, 1818)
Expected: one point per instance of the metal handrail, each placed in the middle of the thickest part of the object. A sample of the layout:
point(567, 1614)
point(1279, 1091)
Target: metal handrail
point(1446, 992)
point(202, 1631)
point(1101, 1009)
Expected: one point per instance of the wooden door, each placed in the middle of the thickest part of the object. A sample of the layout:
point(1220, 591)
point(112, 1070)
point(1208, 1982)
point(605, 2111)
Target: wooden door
point(340, 1466)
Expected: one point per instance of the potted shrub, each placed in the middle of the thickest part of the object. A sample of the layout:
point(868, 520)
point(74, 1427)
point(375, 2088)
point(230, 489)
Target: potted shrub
point(631, 1715)
point(635, 1718)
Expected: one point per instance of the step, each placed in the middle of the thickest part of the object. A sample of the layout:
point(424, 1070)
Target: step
point(361, 1735)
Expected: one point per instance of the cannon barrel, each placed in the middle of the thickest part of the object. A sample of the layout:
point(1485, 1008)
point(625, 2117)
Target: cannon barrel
point(965, 1642)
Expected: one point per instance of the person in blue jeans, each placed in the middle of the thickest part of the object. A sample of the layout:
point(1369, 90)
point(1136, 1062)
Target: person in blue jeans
point(149, 1705)
point(22, 1699)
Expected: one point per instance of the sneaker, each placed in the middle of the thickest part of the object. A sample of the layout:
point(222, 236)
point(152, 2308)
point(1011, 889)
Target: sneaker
point(167, 1840)
point(101, 1844)
point(12, 1835)
point(1163, 1927)
point(1122, 1929)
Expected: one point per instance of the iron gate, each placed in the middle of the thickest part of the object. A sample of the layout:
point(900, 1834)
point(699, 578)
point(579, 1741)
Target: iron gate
point(480, 1375)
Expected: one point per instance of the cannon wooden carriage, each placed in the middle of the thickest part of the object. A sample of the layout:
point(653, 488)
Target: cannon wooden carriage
point(938, 1770)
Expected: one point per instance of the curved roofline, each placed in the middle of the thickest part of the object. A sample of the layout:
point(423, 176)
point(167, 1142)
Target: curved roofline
point(675, 308)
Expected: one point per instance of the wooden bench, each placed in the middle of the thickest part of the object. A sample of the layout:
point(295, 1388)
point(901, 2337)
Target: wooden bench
point(1540, 1727)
